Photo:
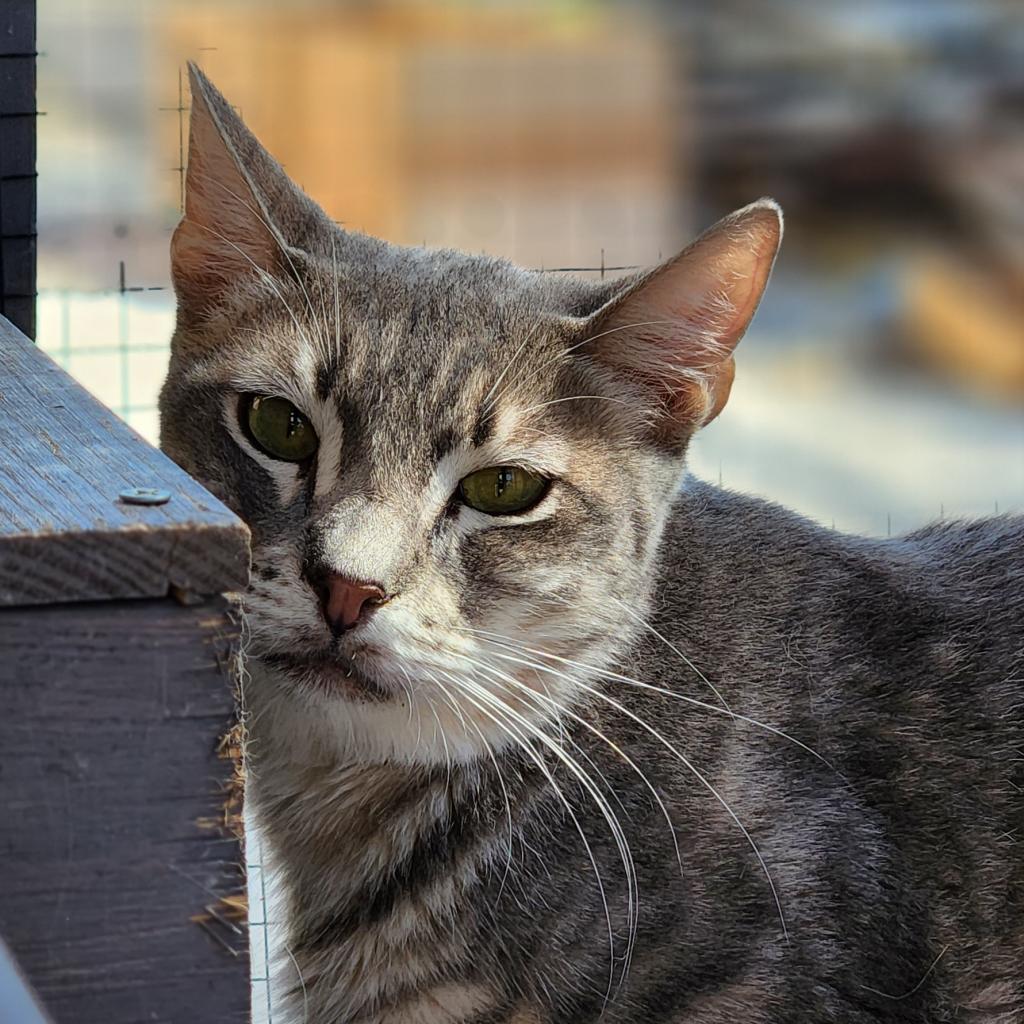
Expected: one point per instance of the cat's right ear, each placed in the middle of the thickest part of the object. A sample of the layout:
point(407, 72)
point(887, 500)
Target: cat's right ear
point(226, 234)
point(671, 331)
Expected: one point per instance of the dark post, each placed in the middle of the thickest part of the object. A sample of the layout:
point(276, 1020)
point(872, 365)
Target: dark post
point(120, 875)
point(18, 163)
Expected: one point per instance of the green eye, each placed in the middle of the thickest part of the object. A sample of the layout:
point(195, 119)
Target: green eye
point(502, 490)
point(279, 429)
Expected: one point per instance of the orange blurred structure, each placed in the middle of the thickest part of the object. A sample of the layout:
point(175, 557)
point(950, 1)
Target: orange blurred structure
point(513, 129)
point(963, 321)
point(964, 303)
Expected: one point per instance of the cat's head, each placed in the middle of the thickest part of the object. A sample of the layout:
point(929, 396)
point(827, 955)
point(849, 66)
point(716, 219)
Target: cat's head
point(456, 472)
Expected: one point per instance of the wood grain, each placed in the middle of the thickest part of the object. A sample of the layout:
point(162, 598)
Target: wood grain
point(64, 533)
point(109, 787)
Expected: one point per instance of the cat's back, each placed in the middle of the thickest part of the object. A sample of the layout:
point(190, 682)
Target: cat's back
point(979, 560)
point(772, 560)
point(924, 631)
point(901, 663)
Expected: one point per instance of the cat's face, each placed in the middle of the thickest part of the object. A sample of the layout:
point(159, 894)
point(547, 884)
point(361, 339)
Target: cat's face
point(455, 472)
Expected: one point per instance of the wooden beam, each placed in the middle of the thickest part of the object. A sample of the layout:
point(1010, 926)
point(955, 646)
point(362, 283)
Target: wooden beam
point(65, 532)
point(113, 854)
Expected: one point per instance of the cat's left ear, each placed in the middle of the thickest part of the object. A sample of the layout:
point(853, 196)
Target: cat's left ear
point(226, 234)
point(671, 331)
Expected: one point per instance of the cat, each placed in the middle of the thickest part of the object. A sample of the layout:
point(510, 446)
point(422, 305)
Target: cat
point(542, 729)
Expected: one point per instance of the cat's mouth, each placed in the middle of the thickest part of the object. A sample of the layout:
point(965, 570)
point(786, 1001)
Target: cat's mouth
point(332, 672)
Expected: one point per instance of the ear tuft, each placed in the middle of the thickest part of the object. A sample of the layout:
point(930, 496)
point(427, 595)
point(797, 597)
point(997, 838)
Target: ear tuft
point(671, 331)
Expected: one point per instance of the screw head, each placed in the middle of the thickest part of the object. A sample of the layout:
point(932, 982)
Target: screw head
point(144, 496)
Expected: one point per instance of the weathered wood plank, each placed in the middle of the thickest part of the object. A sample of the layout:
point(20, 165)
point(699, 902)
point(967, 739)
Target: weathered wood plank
point(109, 786)
point(64, 533)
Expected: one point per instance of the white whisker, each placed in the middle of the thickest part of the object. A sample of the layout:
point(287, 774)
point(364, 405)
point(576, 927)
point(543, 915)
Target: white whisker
point(575, 398)
point(282, 246)
point(475, 695)
point(704, 781)
point(497, 769)
point(560, 356)
point(267, 278)
point(560, 709)
point(652, 688)
point(491, 397)
point(675, 650)
point(302, 983)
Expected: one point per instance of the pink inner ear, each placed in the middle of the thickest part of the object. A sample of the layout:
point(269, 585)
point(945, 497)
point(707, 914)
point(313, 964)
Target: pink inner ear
point(224, 235)
point(674, 330)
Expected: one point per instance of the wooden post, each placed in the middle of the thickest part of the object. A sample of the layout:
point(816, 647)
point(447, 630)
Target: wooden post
point(18, 163)
point(114, 697)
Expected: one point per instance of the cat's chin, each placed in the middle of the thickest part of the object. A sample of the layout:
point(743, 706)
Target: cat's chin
point(331, 674)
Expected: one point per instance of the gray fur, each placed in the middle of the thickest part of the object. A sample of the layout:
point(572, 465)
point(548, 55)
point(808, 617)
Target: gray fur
point(749, 769)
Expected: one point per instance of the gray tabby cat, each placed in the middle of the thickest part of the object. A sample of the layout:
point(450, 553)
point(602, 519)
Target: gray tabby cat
point(537, 734)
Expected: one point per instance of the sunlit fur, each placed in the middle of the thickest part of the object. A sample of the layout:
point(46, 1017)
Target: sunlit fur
point(647, 752)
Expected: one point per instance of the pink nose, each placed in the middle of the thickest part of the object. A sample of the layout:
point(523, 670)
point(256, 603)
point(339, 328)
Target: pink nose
point(347, 602)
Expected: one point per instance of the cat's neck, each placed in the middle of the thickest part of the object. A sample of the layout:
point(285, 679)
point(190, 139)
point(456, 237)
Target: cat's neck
point(331, 813)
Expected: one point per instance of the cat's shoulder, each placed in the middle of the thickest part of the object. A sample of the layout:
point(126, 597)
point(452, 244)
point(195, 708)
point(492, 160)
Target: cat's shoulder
point(715, 517)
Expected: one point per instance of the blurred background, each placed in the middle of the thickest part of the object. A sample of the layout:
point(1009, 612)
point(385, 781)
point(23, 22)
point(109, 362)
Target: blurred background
point(882, 384)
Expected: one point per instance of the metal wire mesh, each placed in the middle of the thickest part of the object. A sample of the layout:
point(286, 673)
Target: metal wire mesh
point(262, 929)
point(116, 343)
